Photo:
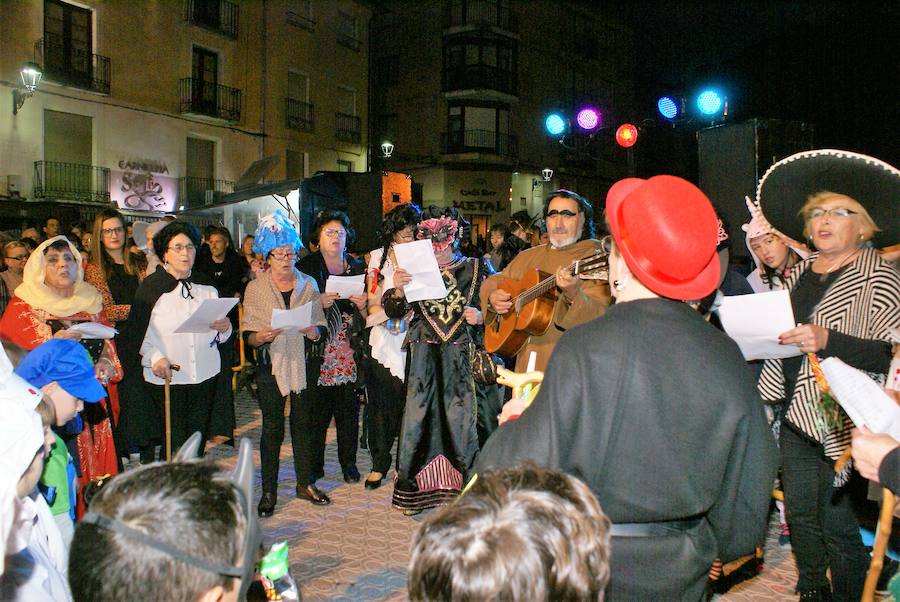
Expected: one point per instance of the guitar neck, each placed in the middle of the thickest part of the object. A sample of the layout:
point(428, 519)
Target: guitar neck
point(529, 295)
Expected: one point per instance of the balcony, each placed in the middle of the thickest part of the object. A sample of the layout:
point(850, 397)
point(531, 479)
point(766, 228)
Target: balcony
point(298, 115)
point(219, 16)
point(479, 141)
point(71, 182)
point(480, 13)
point(212, 100)
point(349, 41)
point(480, 77)
point(347, 128)
point(71, 66)
point(198, 192)
point(298, 20)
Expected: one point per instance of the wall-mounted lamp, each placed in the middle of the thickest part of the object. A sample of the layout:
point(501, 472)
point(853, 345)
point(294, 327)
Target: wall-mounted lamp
point(386, 149)
point(31, 77)
point(547, 173)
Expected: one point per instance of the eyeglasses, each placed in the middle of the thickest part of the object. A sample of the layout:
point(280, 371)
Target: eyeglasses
point(180, 248)
point(19, 258)
point(111, 231)
point(564, 213)
point(282, 256)
point(836, 212)
point(330, 233)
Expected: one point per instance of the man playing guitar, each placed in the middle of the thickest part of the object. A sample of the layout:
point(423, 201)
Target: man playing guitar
point(570, 226)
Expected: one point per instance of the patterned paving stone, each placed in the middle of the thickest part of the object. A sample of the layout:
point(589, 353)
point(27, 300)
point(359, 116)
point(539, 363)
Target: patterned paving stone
point(358, 548)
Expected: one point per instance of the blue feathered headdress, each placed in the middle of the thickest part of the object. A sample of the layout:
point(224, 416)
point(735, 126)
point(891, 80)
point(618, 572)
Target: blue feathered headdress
point(275, 230)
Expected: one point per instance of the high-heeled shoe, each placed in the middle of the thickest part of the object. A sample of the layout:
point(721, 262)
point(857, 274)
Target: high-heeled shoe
point(313, 494)
point(266, 505)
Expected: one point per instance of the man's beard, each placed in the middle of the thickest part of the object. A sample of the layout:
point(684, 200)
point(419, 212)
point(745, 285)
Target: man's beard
point(565, 242)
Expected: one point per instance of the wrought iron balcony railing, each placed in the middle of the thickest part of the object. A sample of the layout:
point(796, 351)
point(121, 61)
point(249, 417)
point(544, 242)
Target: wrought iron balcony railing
point(212, 100)
point(197, 192)
point(298, 115)
point(480, 141)
point(347, 127)
point(71, 181)
point(459, 13)
point(220, 16)
point(70, 66)
point(299, 20)
point(480, 77)
point(349, 41)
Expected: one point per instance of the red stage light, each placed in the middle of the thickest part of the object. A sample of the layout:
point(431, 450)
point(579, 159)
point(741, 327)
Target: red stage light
point(626, 135)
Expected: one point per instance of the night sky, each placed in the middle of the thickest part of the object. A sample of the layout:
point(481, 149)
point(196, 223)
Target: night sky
point(834, 64)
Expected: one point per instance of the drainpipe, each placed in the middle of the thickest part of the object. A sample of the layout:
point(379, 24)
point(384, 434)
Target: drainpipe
point(263, 79)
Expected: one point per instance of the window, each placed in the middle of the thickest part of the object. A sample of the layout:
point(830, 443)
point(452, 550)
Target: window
point(205, 76)
point(300, 14)
point(347, 34)
point(346, 100)
point(296, 164)
point(199, 172)
point(480, 63)
point(68, 43)
point(472, 127)
point(298, 86)
point(344, 166)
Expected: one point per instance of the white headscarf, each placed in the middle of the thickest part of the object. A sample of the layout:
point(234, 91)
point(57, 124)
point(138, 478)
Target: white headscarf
point(40, 296)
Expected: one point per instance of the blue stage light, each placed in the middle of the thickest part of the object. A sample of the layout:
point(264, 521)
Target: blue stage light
point(709, 102)
point(667, 106)
point(555, 124)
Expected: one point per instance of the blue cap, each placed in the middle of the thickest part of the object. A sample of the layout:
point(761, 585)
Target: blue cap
point(275, 230)
point(65, 361)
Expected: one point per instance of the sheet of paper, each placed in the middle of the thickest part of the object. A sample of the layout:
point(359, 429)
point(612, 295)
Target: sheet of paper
point(346, 285)
point(208, 312)
point(293, 319)
point(375, 319)
point(755, 321)
point(94, 330)
point(418, 259)
point(864, 401)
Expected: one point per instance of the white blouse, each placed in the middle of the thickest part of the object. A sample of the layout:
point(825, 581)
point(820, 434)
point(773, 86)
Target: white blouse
point(387, 348)
point(196, 353)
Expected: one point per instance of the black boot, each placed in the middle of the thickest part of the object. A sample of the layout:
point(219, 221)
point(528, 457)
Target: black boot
point(820, 594)
point(266, 505)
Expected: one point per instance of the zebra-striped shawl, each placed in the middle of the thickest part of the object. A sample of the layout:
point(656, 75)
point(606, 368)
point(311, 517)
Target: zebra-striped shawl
point(863, 302)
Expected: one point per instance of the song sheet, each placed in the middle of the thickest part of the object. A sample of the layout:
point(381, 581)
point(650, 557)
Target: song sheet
point(346, 285)
point(418, 259)
point(293, 319)
point(206, 313)
point(862, 398)
point(755, 321)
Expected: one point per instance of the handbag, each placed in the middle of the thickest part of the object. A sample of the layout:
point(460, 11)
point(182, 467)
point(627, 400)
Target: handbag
point(484, 367)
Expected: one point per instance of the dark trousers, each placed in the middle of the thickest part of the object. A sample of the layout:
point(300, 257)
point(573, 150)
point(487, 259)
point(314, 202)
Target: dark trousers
point(824, 529)
point(190, 410)
point(271, 404)
point(341, 403)
point(387, 397)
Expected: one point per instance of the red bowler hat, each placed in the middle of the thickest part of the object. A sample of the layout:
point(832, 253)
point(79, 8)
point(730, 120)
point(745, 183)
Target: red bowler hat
point(666, 230)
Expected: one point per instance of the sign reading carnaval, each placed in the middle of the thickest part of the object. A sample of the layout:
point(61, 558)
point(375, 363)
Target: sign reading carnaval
point(140, 186)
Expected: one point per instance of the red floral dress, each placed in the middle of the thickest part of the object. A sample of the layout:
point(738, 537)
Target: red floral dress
point(338, 363)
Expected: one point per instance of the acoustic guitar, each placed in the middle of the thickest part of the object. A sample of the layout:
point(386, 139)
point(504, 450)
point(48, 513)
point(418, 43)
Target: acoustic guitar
point(533, 297)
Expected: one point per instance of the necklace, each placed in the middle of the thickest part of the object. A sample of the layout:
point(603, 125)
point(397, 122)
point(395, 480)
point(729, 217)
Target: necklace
point(824, 275)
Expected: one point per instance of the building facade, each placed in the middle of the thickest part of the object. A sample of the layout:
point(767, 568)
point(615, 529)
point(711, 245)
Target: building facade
point(160, 105)
point(461, 89)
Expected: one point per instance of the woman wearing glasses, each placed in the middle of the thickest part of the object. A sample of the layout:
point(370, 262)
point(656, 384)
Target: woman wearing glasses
point(281, 370)
point(150, 347)
point(113, 270)
point(846, 302)
point(335, 363)
point(15, 254)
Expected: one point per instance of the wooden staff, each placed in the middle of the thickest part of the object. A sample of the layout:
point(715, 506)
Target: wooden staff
point(172, 368)
point(883, 533)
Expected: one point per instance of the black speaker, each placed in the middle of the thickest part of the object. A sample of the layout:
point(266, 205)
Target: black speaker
point(732, 158)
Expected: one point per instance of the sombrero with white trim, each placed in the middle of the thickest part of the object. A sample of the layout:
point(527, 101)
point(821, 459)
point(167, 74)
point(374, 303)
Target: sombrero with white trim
point(788, 184)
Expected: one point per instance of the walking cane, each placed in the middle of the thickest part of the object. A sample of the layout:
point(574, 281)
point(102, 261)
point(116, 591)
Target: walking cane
point(883, 534)
point(173, 368)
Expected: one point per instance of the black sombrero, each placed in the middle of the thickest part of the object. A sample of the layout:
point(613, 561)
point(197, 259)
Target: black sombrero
point(786, 186)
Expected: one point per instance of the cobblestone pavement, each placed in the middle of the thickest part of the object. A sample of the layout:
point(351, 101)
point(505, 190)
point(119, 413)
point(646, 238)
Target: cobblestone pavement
point(358, 548)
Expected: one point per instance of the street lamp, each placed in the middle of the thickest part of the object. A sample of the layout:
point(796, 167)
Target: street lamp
point(547, 173)
point(31, 77)
point(386, 149)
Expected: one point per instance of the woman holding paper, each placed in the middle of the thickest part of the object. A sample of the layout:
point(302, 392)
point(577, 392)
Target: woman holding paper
point(52, 298)
point(151, 347)
point(385, 371)
point(279, 357)
point(846, 301)
point(334, 364)
point(439, 432)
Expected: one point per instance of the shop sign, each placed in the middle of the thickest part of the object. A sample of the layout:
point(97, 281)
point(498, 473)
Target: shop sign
point(140, 185)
